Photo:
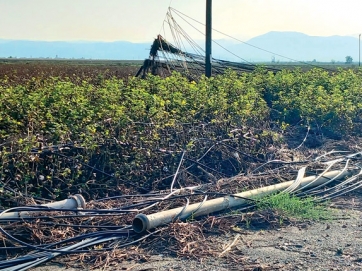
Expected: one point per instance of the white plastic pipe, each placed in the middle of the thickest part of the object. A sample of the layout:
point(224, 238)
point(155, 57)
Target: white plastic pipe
point(73, 202)
point(144, 222)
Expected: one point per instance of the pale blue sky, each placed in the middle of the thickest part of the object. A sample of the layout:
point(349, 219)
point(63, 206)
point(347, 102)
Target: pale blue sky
point(141, 20)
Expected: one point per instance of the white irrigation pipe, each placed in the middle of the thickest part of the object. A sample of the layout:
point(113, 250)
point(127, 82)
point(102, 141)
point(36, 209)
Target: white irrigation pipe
point(73, 202)
point(144, 222)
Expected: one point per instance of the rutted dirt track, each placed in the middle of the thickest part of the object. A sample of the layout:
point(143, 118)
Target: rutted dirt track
point(335, 244)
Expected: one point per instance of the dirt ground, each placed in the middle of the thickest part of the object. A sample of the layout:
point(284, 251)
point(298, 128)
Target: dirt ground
point(334, 244)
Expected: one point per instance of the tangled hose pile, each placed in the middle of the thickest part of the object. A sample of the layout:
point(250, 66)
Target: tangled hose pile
point(105, 225)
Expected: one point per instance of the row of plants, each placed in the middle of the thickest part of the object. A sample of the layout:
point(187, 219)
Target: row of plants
point(58, 137)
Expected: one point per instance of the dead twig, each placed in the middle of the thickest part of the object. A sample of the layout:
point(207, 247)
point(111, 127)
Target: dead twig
point(230, 246)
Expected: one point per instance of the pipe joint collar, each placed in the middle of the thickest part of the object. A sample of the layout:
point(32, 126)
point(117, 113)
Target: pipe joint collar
point(79, 200)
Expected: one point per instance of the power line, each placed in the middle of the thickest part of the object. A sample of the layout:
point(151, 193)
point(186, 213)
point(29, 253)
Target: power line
point(179, 13)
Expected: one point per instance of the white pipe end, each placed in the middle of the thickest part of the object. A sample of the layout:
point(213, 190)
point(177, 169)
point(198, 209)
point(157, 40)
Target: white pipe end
point(140, 223)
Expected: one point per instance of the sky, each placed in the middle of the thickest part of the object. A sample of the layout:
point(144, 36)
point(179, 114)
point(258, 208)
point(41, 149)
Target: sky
point(142, 20)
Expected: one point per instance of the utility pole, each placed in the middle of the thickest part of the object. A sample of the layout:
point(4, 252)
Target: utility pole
point(359, 50)
point(208, 56)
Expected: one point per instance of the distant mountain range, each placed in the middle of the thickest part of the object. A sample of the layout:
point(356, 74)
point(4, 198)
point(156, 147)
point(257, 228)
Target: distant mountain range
point(272, 46)
point(68, 49)
point(287, 46)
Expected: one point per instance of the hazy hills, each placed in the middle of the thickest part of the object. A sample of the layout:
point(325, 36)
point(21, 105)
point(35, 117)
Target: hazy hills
point(293, 45)
point(63, 49)
point(298, 46)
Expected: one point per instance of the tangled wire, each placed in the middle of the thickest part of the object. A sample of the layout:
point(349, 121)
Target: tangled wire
point(103, 233)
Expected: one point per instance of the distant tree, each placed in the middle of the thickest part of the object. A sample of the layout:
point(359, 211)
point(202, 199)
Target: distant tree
point(273, 59)
point(349, 60)
point(333, 61)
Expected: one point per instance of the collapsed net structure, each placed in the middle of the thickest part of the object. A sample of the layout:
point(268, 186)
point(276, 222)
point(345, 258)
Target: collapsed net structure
point(165, 57)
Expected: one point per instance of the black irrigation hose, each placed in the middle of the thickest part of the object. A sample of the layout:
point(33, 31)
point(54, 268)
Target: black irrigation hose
point(11, 237)
point(130, 196)
point(69, 240)
point(102, 234)
point(46, 256)
point(80, 226)
point(49, 209)
point(61, 217)
point(128, 232)
point(13, 248)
